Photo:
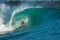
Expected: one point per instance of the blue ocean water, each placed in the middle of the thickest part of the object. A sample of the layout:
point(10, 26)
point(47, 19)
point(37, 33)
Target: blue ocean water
point(30, 23)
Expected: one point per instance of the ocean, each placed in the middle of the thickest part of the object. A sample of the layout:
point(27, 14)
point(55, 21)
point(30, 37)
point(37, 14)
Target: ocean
point(29, 23)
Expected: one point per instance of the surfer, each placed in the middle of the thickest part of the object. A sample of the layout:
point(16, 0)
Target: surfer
point(22, 23)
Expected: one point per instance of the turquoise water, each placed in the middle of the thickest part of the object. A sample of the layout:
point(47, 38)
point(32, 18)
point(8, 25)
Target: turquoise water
point(38, 24)
point(30, 15)
point(35, 16)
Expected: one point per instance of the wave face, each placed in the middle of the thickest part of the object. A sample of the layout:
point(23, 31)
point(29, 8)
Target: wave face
point(29, 22)
point(23, 19)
